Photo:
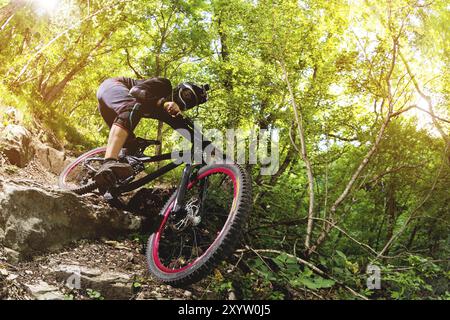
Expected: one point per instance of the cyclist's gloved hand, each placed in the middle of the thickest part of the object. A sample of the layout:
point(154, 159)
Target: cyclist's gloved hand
point(172, 108)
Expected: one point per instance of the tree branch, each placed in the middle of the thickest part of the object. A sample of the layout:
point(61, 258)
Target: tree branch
point(304, 155)
point(131, 66)
point(365, 160)
point(73, 26)
point(333, 225)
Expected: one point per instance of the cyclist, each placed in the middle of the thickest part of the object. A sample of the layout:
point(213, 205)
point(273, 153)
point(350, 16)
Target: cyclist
point(124, 101)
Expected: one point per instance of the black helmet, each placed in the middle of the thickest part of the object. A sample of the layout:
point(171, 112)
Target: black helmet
point(188, 95)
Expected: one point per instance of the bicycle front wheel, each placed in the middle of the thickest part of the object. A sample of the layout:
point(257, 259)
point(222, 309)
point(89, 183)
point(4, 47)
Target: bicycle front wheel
point(188, 246)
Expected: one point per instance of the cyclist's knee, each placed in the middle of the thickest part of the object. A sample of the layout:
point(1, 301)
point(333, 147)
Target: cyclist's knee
point(129, 117)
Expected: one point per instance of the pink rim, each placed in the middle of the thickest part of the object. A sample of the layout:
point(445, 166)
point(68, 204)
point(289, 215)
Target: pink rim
point(77, 162)
point(158, 262)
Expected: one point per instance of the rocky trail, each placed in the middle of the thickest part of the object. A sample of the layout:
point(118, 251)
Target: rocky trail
point(57, 245)
point(105, 269)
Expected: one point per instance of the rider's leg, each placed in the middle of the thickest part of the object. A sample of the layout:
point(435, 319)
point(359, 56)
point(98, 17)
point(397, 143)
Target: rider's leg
point(117, 137)
point(114, 102)
point(112, 168)
point(114, 111)
point(109, 115)
point(116, 140)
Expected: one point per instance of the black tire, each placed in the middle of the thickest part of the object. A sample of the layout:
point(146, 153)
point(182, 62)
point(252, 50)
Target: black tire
point(83, 188)
point(226, 242)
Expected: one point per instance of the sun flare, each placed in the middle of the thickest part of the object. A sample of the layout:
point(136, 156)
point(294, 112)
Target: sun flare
point(46, 6)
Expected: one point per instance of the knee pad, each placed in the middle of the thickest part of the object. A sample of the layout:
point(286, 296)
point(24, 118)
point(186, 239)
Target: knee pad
point(129, 117)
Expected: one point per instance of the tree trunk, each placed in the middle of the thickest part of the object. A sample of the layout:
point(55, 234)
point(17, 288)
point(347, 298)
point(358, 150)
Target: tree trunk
point(412, 236)
point(391, 213)
point(225, 54)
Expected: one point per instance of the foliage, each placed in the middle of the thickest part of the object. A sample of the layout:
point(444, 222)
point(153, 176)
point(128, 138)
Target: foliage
point(94, 295)
point(364, 75)
point(420, 278)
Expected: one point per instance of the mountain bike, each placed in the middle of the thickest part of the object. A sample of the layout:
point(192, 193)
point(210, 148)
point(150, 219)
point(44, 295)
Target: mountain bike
point(201, 223)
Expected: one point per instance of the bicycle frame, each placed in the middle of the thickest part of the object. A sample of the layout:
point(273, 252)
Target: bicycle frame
point(187, 171)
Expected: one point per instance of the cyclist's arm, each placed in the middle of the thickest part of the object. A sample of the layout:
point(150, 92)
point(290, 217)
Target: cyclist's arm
point(129, 82)
point(152, 92)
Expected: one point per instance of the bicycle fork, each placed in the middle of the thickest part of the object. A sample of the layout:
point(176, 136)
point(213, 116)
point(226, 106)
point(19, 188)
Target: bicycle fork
point(182, 187)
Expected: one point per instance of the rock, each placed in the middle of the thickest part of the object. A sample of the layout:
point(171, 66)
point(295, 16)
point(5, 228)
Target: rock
point(141, 296)
point(130, 257)
point(12, 256)
point(187, 294)
point(116, 245)
point(157, 295)
point(35, 219)
point(15, 145)
point(111, 285)
point(12, 277)
point(113, 243)
point(50, 158)
point(44, 291)
point(232, 296)
point(19, 147)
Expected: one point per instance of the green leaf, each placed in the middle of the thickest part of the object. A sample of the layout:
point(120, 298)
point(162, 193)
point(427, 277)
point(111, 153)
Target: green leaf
point(341, 254)
point(324, 283)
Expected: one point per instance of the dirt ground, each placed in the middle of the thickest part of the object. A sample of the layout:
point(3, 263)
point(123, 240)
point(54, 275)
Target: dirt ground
point(33, 172)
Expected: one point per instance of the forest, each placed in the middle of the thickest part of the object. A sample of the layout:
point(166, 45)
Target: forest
point(358, 92)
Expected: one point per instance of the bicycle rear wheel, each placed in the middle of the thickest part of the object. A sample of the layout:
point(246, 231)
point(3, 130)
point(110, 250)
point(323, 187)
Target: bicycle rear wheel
point(78, 175)
point(188, 246)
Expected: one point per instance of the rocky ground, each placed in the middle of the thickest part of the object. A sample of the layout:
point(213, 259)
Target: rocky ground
point(56, 245)
point(90, 270)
